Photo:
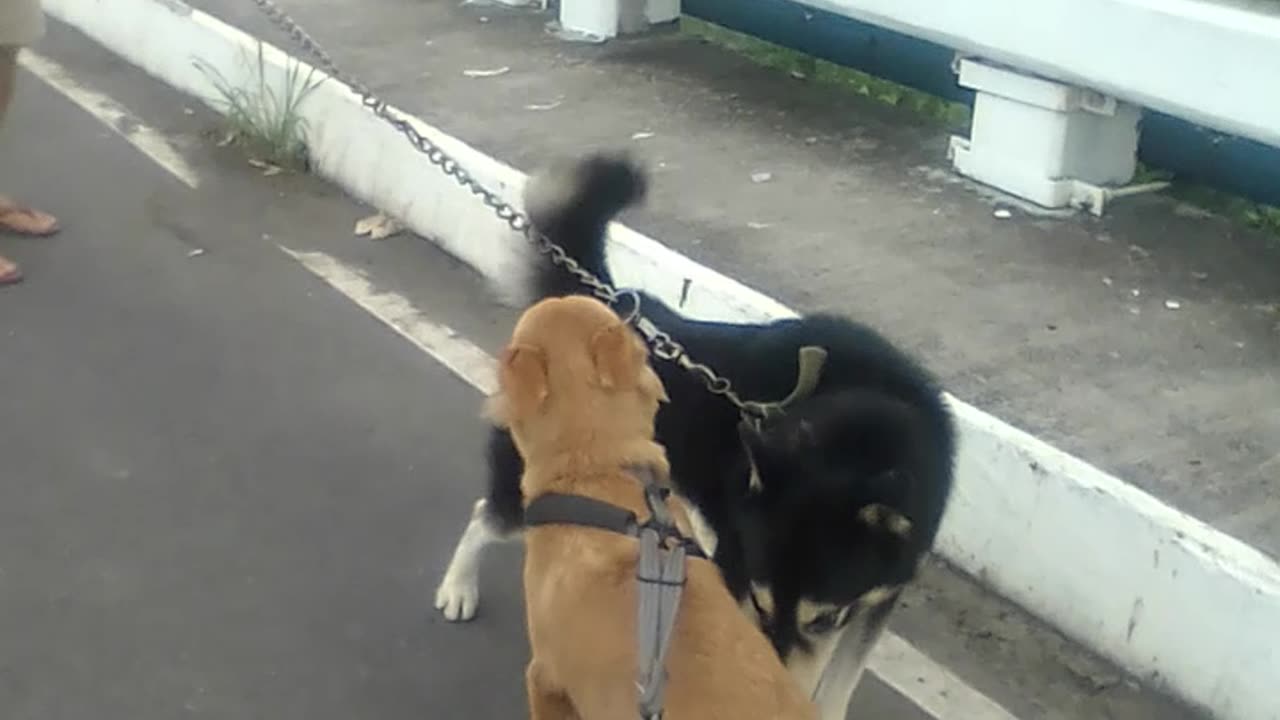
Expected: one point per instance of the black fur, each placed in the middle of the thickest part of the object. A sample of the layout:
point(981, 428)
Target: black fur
point(876, 431)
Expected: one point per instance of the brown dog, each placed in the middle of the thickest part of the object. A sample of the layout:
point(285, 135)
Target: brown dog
point(577, 392)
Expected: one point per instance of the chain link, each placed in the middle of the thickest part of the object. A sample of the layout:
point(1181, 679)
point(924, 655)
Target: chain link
point(662, 344)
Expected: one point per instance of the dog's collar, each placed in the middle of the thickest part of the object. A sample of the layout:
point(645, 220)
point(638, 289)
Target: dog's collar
point(569, 509)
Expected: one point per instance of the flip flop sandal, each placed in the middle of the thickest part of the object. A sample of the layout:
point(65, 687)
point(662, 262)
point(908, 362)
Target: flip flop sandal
point(25, 221)
point(10, 275)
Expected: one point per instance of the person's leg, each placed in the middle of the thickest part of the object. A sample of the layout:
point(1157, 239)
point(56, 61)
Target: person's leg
point(21, 23)
point(8, 72)
point(9, 272)
point(15, 218)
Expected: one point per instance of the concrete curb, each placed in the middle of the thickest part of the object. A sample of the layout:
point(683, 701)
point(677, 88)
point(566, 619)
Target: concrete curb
point(1159, 592)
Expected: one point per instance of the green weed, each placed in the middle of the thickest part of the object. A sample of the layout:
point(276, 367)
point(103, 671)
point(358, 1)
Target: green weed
point(809, 68)
point(263, 118)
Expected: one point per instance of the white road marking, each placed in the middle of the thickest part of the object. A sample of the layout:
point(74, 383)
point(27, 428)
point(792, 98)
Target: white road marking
point(455, 352)
point(147, 140)
point(932, 687)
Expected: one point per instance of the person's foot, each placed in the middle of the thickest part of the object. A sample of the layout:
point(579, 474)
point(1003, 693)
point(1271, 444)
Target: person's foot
point(9, 272)
point(20, 220)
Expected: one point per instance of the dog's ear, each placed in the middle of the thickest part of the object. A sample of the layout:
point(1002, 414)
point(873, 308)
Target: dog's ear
point(651, 385)
point(522, 379)
point(621, 362)
point(614, 357)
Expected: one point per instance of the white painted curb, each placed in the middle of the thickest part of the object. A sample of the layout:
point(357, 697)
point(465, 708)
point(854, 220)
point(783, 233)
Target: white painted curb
point(1159, 592)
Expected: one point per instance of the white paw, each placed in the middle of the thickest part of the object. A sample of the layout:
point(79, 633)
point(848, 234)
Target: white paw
point(457, 598)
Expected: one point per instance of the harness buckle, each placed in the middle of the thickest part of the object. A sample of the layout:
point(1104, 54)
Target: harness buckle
point(662, 523)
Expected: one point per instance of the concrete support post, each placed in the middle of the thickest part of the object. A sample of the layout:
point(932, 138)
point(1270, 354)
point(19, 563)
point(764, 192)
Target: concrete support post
point(601, 20)
point(1053, 144)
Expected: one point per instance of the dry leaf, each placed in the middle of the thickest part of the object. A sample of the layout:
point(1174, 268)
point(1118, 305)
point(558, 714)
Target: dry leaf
point(267, 168)
point(378, 226)
point(761, 177)
point(1191, 211)
point(487, 73)
point(227, 139)
point(543, 106)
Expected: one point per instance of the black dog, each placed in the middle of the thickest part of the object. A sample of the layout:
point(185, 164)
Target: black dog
point(819, 517)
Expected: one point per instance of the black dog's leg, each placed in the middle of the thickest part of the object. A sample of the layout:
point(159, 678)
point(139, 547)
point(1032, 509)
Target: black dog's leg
point(495, 518)
point(506, 504)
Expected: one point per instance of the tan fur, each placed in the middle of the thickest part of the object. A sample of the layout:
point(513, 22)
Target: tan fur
point(578, 394)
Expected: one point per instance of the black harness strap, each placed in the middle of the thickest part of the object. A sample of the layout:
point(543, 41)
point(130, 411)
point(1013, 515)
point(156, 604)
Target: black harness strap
point(566, 509)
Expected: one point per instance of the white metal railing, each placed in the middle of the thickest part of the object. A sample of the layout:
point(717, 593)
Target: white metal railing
point(1215, 63)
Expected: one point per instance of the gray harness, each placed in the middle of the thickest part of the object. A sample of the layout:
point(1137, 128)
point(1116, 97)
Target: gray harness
point(660, 572)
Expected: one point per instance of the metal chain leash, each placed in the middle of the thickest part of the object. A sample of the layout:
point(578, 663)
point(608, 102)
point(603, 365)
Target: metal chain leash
point(663, 345)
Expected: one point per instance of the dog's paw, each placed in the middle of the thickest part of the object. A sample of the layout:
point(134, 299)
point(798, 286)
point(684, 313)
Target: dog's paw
point(457, 599)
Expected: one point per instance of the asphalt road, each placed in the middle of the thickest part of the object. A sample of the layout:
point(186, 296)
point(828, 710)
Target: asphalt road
point(226, 491)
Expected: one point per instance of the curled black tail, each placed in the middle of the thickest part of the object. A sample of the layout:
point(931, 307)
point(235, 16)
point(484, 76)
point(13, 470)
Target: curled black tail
point(572, 205)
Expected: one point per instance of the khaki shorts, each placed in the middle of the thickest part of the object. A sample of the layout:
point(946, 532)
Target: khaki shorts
point(21, 22)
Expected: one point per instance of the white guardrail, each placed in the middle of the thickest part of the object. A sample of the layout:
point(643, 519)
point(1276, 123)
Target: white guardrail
point(1214, 63)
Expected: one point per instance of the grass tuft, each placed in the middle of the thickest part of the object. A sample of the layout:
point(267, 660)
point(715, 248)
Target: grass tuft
point(807, 67)
point(263, 118)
